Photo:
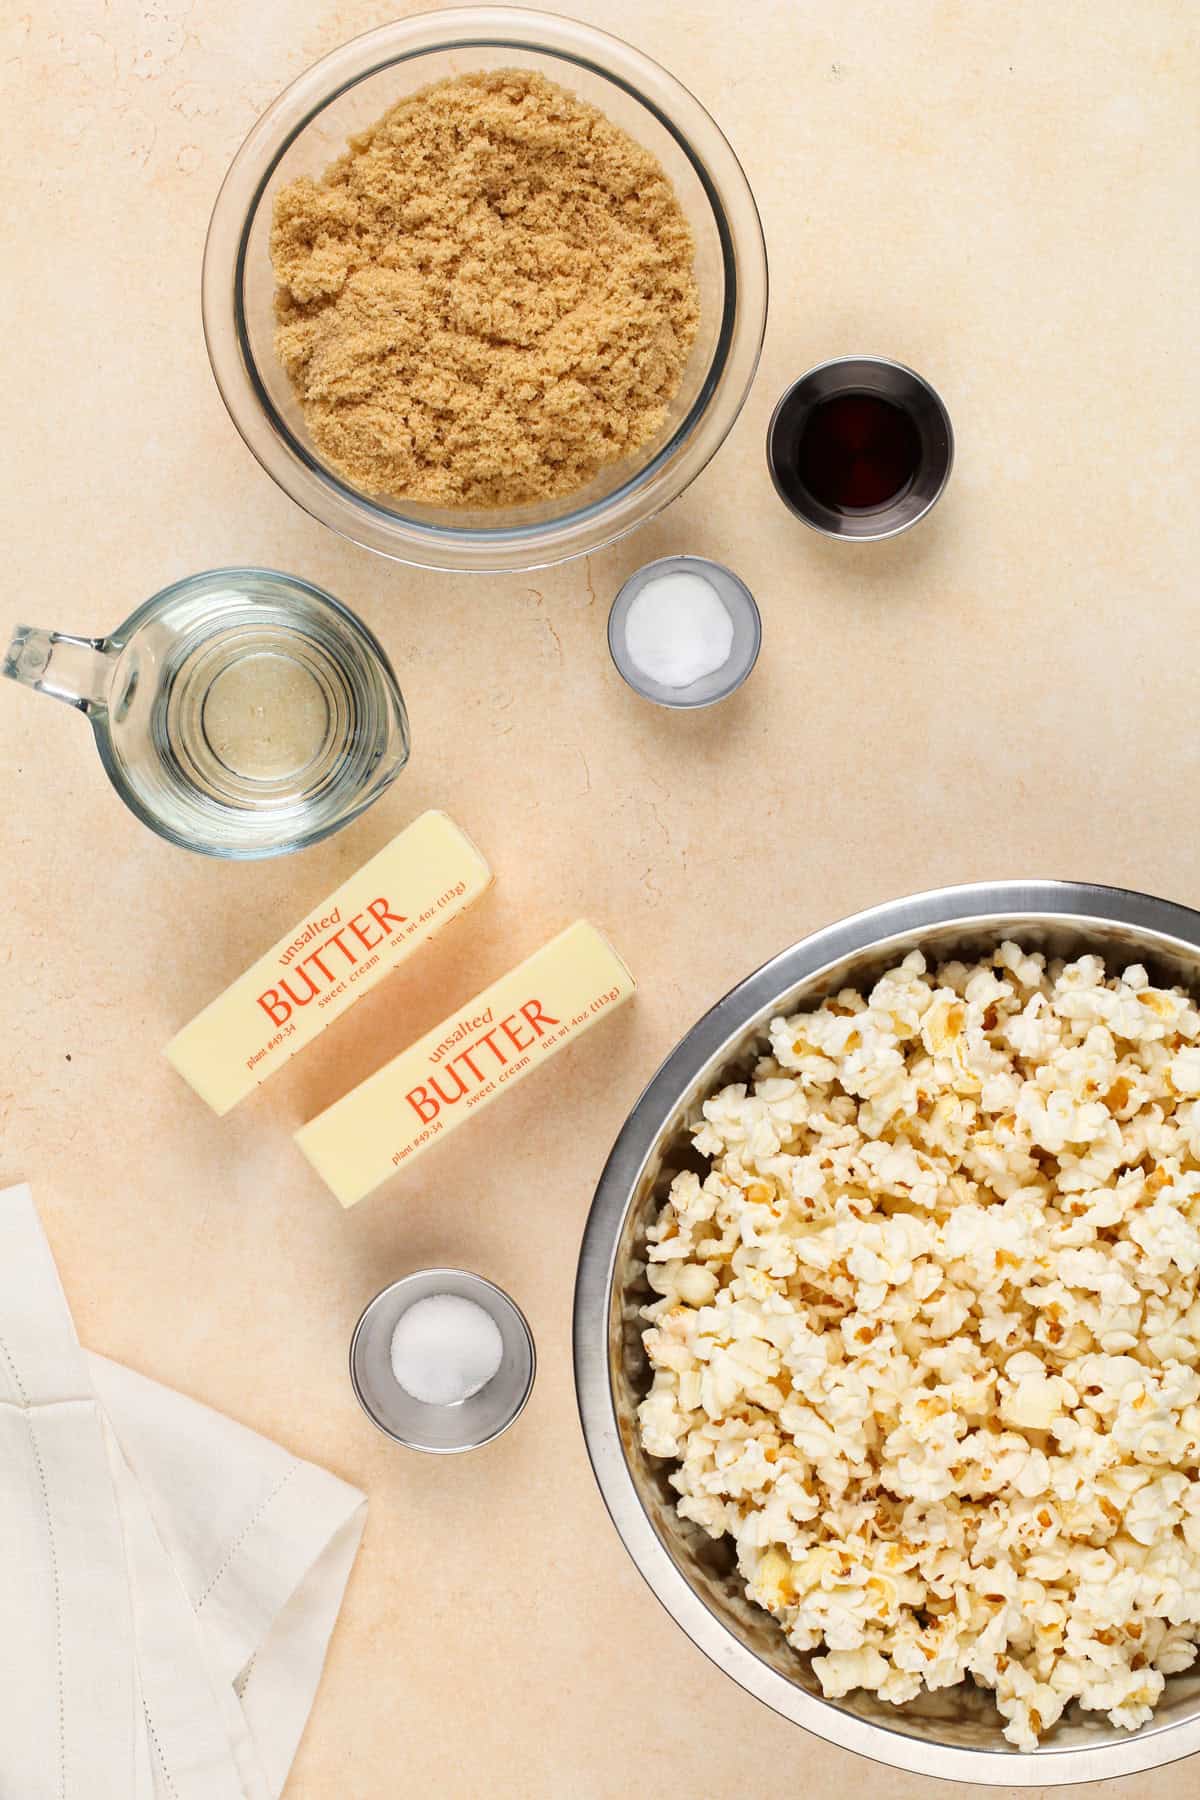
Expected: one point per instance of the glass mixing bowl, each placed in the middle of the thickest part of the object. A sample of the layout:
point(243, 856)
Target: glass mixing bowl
point(307, 128)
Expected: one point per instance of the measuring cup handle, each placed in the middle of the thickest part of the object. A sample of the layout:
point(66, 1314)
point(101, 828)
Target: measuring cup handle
point(74, 669)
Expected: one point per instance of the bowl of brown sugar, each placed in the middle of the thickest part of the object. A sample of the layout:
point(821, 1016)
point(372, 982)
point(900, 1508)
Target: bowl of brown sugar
point(484, 289)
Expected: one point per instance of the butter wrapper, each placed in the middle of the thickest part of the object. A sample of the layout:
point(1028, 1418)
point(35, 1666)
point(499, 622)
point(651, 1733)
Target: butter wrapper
point(404, 896)
point(466, 1062)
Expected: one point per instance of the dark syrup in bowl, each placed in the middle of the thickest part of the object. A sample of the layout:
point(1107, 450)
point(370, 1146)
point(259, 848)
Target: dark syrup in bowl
point(857, 452)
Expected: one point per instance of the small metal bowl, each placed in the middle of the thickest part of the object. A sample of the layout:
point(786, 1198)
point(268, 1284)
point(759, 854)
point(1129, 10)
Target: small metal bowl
point(441, 1430)
point(890, 381)
point(747, 633)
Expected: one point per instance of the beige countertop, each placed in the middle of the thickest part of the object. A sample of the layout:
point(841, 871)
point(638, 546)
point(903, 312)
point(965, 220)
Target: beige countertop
point(996, 194)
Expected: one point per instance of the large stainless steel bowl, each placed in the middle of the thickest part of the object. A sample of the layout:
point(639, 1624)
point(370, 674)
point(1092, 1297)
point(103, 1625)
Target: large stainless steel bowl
point(955, 1733)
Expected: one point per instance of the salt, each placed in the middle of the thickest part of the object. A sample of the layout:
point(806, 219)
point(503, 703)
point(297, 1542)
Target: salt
point(678, 630)
point(444, 1349)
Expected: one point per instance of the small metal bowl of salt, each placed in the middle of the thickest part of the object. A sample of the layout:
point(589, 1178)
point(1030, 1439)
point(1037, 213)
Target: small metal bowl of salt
point(684, 632)
point(442, 1361)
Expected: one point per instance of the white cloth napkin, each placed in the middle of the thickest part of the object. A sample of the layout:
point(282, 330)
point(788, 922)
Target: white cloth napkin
point(168, 1580)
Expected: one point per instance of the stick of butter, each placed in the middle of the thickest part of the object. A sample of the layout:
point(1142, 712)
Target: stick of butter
point(425, 877)
point(462, 1065)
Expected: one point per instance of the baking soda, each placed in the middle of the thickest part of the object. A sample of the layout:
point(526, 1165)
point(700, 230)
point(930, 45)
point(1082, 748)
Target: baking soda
point(444, 1349)
point(678, 630)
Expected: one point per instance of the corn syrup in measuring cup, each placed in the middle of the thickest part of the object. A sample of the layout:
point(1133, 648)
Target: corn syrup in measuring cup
point(240, 713)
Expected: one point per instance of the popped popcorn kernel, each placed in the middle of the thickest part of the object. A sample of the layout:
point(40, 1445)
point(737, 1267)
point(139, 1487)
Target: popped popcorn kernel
point(925, 1338)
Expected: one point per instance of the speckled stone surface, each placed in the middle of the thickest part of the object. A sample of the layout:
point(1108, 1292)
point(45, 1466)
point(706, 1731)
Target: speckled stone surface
point(997, 195)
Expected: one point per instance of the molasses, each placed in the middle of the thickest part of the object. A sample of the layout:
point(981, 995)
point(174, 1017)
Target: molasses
point(857, 452)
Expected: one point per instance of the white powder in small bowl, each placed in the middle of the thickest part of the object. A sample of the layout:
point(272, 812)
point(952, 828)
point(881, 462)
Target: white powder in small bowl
point(444, 1349)
point(678, 630)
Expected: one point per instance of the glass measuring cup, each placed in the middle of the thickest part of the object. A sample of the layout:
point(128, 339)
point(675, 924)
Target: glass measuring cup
point(241, 713)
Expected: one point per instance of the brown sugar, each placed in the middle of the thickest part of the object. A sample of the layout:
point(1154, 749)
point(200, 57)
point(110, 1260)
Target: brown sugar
point(487, 299)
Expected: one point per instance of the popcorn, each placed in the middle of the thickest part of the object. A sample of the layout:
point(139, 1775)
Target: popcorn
point(843, 1670)
point(925, 1335)
point(1185, 1070)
